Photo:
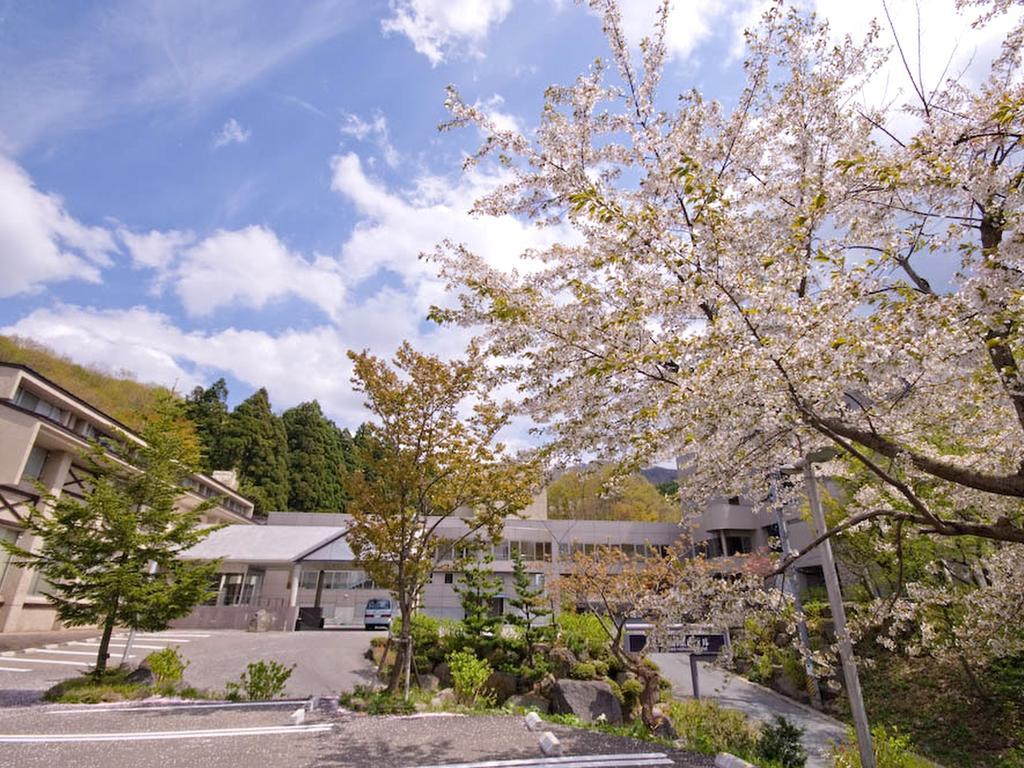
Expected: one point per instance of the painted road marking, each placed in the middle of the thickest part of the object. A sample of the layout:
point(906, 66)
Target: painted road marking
point(156, 639)
point(575, 761)
point(129, 708)
point(66, 653)
point(121, 646)
point(14, 669)
point(43, 738)
point(33, 659)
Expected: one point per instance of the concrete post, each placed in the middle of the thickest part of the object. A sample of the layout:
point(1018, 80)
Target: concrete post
point(293, 594)
point(835, 599)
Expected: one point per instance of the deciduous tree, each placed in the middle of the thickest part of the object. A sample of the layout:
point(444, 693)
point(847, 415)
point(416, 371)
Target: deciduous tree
point(430, 453)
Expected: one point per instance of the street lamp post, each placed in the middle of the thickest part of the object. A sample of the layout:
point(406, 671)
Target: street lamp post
point(835, 599)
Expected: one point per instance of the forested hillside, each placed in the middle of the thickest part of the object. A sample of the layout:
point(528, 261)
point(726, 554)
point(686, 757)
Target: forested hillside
point(116, 394)
point(294, 461)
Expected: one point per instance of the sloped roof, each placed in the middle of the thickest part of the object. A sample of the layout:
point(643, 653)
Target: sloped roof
point(266, 544)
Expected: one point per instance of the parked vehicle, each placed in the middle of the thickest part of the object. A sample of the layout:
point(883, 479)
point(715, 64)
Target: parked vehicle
point(378, 613)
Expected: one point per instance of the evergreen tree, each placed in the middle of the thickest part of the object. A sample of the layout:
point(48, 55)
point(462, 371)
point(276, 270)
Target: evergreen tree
point(318, 456)
point(208, 410)
point(477, 588)
point(255, 443)
point(529, 601)
point(97, 552)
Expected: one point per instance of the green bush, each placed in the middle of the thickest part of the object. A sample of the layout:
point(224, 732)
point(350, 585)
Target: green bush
point(364, 699)
point(167, 665)
point(709, 729)
point(261, 681)
point(892, 750)
point(779, 744)
point(583, 670)
point(631, 690)
point(582, 633)
point(600, 668)
point(468, 677)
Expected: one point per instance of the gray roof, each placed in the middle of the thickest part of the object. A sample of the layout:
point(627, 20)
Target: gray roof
point(264, 543)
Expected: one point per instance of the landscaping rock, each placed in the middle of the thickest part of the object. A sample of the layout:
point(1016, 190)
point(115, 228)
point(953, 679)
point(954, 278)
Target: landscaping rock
point(142, 676)
point(545, 685)
point(587, 699)
point(445, 698)
point(444, 675)
point(502, 685)
point(622, 677)
point(428, 682)
point(530, 701)
point(562, 658)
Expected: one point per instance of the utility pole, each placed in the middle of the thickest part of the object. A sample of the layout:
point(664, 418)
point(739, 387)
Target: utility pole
point(835, 599)
point(789, 585)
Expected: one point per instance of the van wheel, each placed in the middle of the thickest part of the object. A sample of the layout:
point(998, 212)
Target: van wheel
point(369, 627)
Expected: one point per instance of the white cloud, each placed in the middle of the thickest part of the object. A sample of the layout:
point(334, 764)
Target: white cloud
point(252, 267)
point(186, 53)
point(377, 129)
point(440, 27)
point(231, 133)
point(155, 249)
point(40, 241)
point(396, 227)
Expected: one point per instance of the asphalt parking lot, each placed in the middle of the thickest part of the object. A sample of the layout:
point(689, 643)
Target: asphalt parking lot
point(88, 737)
point(325, 662)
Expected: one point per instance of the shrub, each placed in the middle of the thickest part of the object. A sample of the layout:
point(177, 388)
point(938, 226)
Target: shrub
point(779, 744)
point(469, 674)
point(583, 670)
point(582, 633)
point(892, 750)
point(167, 665)
point(709, 729)
point(262, 680)
point(600, 668)
point(631, 690)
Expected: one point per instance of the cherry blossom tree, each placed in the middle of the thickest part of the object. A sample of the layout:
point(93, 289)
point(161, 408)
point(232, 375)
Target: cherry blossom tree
point(750, 281)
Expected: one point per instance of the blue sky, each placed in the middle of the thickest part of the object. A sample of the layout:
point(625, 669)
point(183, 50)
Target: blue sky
point(191, 189)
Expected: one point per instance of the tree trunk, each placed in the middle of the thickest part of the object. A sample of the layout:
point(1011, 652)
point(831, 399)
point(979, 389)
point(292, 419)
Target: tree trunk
point(101, 655)
point(403, 656)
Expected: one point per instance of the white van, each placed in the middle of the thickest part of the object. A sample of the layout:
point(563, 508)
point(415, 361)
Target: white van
point(378, 614)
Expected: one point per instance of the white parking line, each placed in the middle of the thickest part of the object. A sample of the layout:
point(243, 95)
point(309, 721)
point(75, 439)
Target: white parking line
point(575, 761)
point(121, 646)
point(32, 660)
point(157, 638)
point(129, 707)
point(66, 653)
point(42, 738)
point(14, 669)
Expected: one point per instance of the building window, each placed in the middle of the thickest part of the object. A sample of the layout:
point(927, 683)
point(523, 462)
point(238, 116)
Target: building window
point(449, 578)
point(501, 551)
point(538, 580)
point(34, 466)
point(734, 501)
point(34, 403)
point(738, 543)
point(10, 536)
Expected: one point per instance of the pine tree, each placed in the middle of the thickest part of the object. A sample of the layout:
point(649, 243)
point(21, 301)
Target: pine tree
point(208, 410)
point(255, 443)
point(98, 552)
point(318, 456)
point(529, 601)
point(477, 588)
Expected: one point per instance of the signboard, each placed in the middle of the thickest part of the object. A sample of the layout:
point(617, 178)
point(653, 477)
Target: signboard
point(705, 641)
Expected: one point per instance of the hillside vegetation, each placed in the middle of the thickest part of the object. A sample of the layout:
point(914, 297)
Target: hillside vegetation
point(116, 394)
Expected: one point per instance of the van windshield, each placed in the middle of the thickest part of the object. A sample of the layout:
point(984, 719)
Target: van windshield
point(378, 604)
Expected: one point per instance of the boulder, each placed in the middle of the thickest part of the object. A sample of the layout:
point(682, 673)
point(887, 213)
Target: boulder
point(141, 676)
point(562, 658)
point(502, 685)
point(443, 674)
point(428, 682)
point(445, 698)
point(587, 699)
point(261, 621)
point(529, 701)
point(622, 677)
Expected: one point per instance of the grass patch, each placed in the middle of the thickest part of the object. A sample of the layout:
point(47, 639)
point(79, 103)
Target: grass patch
point(88, 689)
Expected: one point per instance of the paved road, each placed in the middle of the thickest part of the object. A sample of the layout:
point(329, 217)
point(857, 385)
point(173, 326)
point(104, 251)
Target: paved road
point(326, 662)
point(269, 741)
point(733, 691)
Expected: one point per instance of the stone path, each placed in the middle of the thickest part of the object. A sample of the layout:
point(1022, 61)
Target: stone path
point(758, 702)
